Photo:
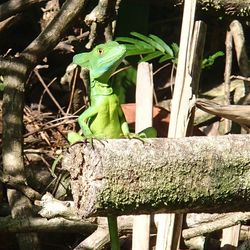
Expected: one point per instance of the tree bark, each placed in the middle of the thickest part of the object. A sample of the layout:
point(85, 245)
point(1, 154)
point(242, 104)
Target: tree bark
point(16, 71)
point(228, 7)
point(9, 225)
point(12, 7)
point(194, 174)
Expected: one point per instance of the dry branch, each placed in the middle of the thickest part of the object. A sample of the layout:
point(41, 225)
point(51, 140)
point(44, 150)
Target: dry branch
point(237, 113)
point(13, 7)
point(100, 19)
point(228, 7)
point(9, 225)
point(7, 23)
point(195, 174)
point(16, 71)
point(14, 182)
point(227, 221)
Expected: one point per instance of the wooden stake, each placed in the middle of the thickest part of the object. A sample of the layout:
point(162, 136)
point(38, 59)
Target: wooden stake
point(182, 89)
point(227, 74)
point(187, 78)
point(230, 237)
point(144, 112)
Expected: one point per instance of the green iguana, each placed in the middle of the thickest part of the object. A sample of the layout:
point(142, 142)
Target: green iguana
point(104, 118)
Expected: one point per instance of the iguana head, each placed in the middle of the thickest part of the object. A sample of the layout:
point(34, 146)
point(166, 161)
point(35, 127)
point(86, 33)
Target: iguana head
point(102, 61)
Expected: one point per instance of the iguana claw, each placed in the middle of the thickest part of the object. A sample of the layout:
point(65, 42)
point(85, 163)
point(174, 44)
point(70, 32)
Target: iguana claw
point(74, 138)
point(135, 136)
point(149, 132)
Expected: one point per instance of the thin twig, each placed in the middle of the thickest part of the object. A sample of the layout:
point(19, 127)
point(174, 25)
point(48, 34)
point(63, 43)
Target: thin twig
point(164, 66)
point(72, 90)
point(48, 91)
point(227, 221)
point(44, 91)
point(247, 79)
point(157, 71)
point(78, 110)
point(120, 70)
point(172, 78)
point(62, 118)
point(49, 127)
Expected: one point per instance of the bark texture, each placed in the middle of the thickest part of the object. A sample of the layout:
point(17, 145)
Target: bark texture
point(194, 174)
point(229, 7)
point(16, 71)
point(12, 7)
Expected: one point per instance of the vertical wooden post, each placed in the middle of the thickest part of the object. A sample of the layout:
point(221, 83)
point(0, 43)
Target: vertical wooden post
point(182, 112)
point(230, 237)
point(144, 112)
point(182, 91)
point(144, 97)
point(227, 74)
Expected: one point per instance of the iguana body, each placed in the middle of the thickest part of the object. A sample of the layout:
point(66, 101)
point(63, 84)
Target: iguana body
point(104, 118)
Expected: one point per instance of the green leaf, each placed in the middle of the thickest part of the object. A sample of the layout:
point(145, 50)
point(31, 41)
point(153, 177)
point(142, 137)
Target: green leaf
point(133, 50)
point(151, 56)
point(2, 86)
point(175, 48)
point(175, 60)
point(208, 62)
point(167, 49)
point(135, 46)
point(148, 40)
point(126, 39)
point(165, 58)
point(53, 167)
point(133, 41)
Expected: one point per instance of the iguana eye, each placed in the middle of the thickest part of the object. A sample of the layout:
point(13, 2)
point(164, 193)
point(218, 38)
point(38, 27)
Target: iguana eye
point(100, 51)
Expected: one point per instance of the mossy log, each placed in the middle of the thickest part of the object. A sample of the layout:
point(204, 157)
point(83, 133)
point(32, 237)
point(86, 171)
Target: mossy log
point(194, 174)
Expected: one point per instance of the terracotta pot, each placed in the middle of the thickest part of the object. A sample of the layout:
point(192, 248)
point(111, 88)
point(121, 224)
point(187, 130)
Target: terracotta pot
point(161, 119)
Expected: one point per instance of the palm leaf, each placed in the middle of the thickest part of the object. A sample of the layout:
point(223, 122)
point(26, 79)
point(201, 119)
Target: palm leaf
point(208, 62)
point(149, 41)
point(133, 41)
point(167, 49)
point(133, 50)
point(164, 58)
point(175, 48)
point(151, 56)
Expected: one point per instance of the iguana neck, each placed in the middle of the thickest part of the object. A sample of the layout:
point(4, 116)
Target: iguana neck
point(100, 89)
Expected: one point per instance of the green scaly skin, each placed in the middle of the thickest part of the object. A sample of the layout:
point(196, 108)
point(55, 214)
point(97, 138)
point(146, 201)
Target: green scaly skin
point(104, 119)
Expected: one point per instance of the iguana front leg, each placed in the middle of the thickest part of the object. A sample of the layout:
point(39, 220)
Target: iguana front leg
point(123, 123)
point(74, 137)
point(84, 117)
